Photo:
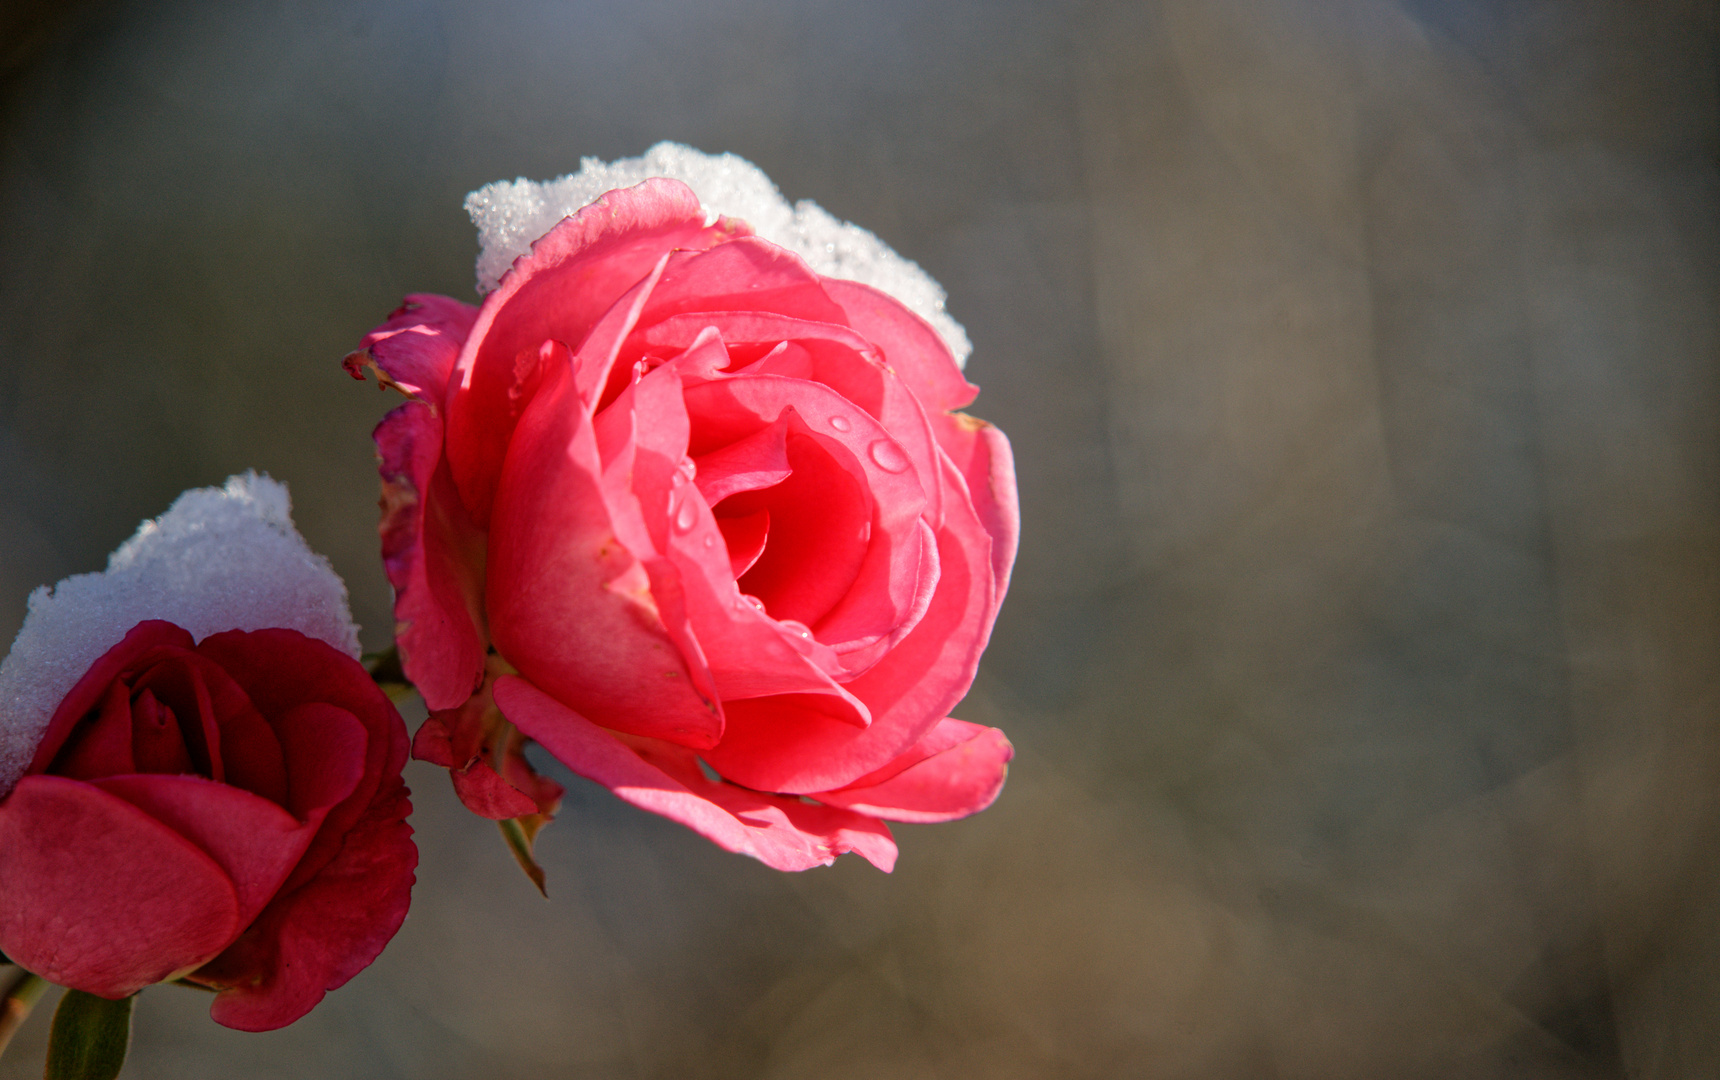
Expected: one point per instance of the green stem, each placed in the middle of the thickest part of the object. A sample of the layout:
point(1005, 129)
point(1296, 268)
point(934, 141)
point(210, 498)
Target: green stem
point(21, 996)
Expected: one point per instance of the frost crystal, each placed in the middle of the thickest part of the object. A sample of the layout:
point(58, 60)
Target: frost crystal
point(510, 215)
point(223, 558)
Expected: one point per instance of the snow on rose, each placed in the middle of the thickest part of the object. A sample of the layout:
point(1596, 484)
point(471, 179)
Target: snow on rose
point(200, 780)
point(705, 523)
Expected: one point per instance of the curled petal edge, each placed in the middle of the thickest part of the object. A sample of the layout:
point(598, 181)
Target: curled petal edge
point(782, 832)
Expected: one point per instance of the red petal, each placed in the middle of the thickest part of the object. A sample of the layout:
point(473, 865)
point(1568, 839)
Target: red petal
point(312, 939)
point(283, 669)
point(782, 833)
point(143, 643)
point(485, 793)
point(956, 769)
point(96, 894)
point(325, 750)
point(821, 526)
point(254, 841)
point(104, 746)
point(179, 683)
point(157, 744)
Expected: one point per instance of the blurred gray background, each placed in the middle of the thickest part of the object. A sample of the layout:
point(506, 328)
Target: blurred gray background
point(1360, 361)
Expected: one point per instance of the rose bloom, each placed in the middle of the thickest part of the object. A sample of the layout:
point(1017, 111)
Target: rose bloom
point(229, 812)
point(735, 553)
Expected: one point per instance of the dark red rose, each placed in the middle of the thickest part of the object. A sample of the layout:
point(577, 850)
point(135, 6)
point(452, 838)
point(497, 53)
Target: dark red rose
point(227, 811)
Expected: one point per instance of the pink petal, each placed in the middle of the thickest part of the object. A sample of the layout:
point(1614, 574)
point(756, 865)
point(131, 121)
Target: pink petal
point(430, 549)
point(468, 741)
point(982, 456)
point(254, 841)
point(956, 769)
point(821, 531)
point(570, 606)
point(744, 537)
point(880, 593)
point(777, 745)
point(748, 652)
point(97, 895)
point(826, 353)
point(434, 557)
point(745, 274)
point(784, 834)
point(910, 346)
point(758, 461)
point(479, 787)
point(574, 274)
point(313, 937)
point(414, 351)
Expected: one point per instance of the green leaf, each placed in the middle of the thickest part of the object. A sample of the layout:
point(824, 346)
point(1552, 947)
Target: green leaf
point(89, 1038)
point(520, 833)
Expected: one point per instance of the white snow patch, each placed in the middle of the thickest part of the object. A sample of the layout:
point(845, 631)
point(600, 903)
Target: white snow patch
point(224, 558)
point(511, 214)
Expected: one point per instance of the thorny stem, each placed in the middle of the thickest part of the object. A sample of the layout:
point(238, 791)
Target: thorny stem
point(21, 996)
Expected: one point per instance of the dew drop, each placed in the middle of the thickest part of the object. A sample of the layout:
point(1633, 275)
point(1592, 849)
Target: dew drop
point(840, 423)
point(802, 639)
point(686, 470)
point(710, 541)
point(889, 456)
point(687, 516)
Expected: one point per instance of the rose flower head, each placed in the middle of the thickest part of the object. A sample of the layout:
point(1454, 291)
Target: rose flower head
point(199, 779)
point(695, 510)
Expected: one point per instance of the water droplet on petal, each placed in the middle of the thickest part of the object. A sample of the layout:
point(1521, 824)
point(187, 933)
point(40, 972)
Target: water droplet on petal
point(802, 639)
point(889, 456)
point(687, 516)
point(686, 470)
point(840, 423)
point(710, 541)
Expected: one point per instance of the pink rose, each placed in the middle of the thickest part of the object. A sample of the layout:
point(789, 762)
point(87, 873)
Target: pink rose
point(228, 811)
point(718, 514)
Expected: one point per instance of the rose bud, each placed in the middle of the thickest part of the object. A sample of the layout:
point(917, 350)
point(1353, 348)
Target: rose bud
point(734, 549)
point(220, 807)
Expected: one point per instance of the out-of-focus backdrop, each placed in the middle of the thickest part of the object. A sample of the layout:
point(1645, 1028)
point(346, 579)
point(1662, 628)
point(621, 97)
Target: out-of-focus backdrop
point(1360, 358)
